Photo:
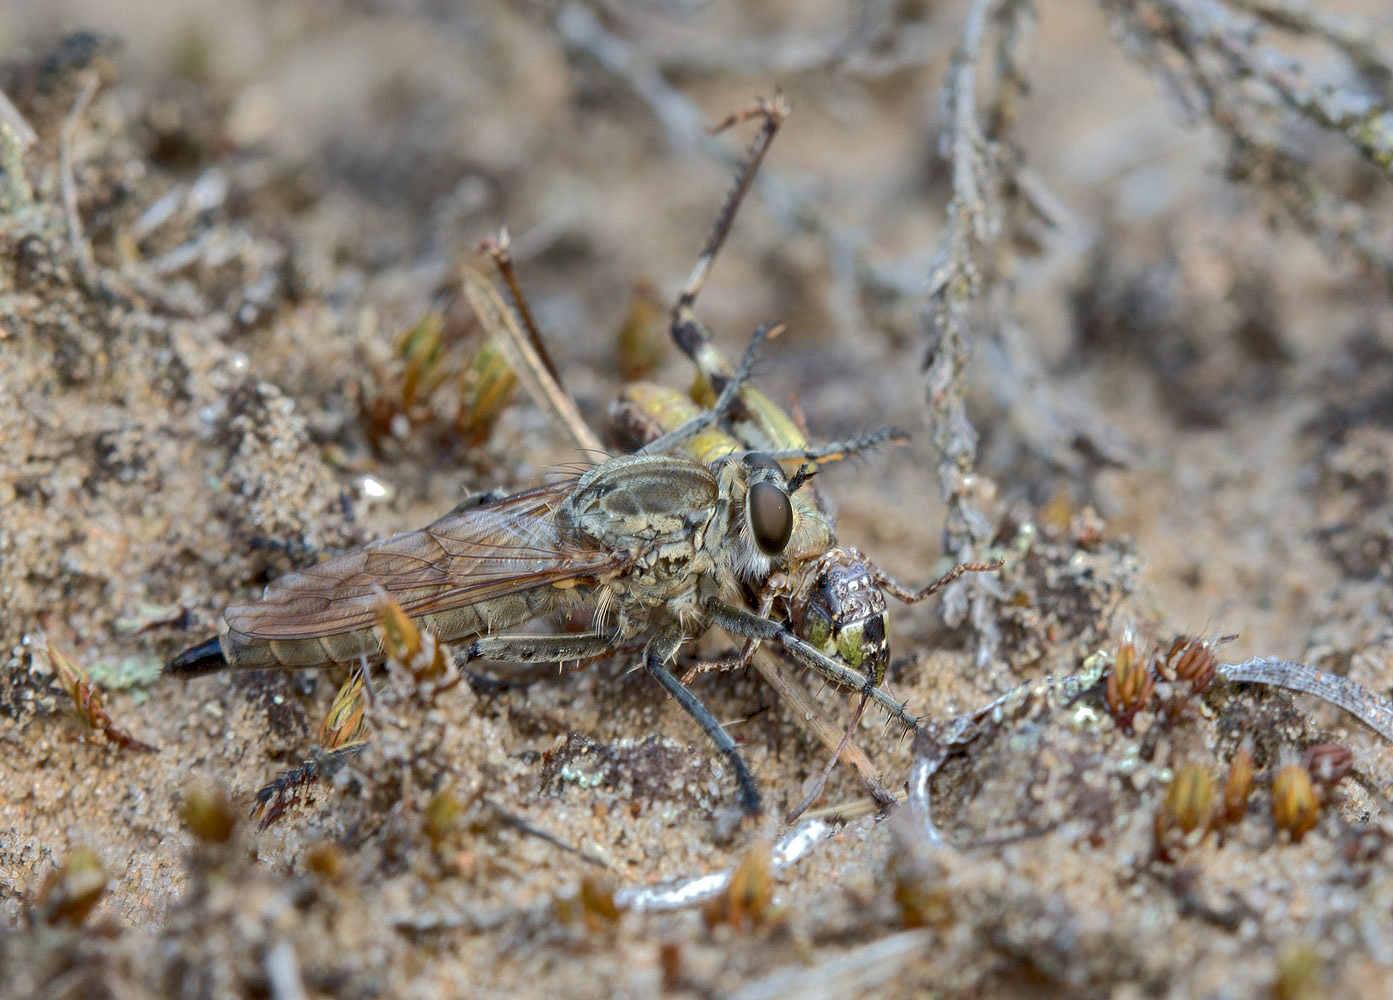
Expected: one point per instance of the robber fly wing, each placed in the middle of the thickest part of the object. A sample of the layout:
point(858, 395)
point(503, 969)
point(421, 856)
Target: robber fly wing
point(502, 547)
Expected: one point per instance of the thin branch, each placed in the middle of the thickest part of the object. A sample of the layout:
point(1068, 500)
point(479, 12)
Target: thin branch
point(11, 116)
point(964, 271)
point(1209, 57)
point(81, 251)
point(791, 848)
point(1370, 50)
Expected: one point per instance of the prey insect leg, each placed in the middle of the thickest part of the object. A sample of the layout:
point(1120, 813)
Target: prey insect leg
point(685, 326)
point(836, 451)
point(498, 248)
point(911, 596)
point(661, 649)
point(673, 441)
point(815, 792)
point(272, 800)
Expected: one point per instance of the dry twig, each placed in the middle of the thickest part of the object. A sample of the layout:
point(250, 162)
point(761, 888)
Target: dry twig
point(1216, 63)
point(82, 253)
point(967, 270)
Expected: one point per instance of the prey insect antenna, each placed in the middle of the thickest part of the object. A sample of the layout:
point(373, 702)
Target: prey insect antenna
point(910, 596)
point(816, 791)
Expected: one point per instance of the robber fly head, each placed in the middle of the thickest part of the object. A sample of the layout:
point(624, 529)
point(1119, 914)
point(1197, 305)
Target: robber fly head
point(761, 514)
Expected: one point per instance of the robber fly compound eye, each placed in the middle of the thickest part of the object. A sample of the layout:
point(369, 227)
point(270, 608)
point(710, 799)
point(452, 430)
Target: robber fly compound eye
point(759, 460)
point(771, 517)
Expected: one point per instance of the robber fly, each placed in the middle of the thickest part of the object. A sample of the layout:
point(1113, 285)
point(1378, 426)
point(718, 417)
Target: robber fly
point(659, 545)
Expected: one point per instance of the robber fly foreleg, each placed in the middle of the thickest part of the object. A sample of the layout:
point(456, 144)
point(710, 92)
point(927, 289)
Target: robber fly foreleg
point(742, 621)
point(660, 651)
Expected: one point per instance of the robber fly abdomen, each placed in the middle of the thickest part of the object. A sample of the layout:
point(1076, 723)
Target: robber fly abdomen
point(492, 566)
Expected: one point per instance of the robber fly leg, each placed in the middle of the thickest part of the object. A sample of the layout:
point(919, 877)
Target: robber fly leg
point(910, 596)
point(747, 652)
point(538, 648)
point(660, 650)
point(272, 800)
point(742, 621)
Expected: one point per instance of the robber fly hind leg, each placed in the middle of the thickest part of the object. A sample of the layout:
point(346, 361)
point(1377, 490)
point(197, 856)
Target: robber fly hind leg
point(660, 651)
point(529, 649)
point(538, 648)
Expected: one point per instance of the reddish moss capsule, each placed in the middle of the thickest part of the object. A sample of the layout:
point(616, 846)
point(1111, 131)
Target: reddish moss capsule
point(1295, 804)
point(209, 815)
point(343, 725)
point(597, 905)
point(1190, 799)
point(1238, 785)
point(748, 901)
point(70, 891)
point(1190, 659)
point(1130, 682)
point(409, 646)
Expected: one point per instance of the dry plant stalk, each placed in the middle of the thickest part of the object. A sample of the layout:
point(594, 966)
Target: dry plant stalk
point(87, 698)
point(970, 275)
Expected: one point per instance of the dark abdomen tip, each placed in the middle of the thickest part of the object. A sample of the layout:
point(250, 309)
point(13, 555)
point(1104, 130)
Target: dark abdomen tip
point(199, 660)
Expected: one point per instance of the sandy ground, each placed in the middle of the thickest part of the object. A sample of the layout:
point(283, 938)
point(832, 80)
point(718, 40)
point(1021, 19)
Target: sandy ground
point(273, 193)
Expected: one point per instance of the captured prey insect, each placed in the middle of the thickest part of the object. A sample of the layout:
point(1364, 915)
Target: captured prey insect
point(832, 596)
point(659, 545)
